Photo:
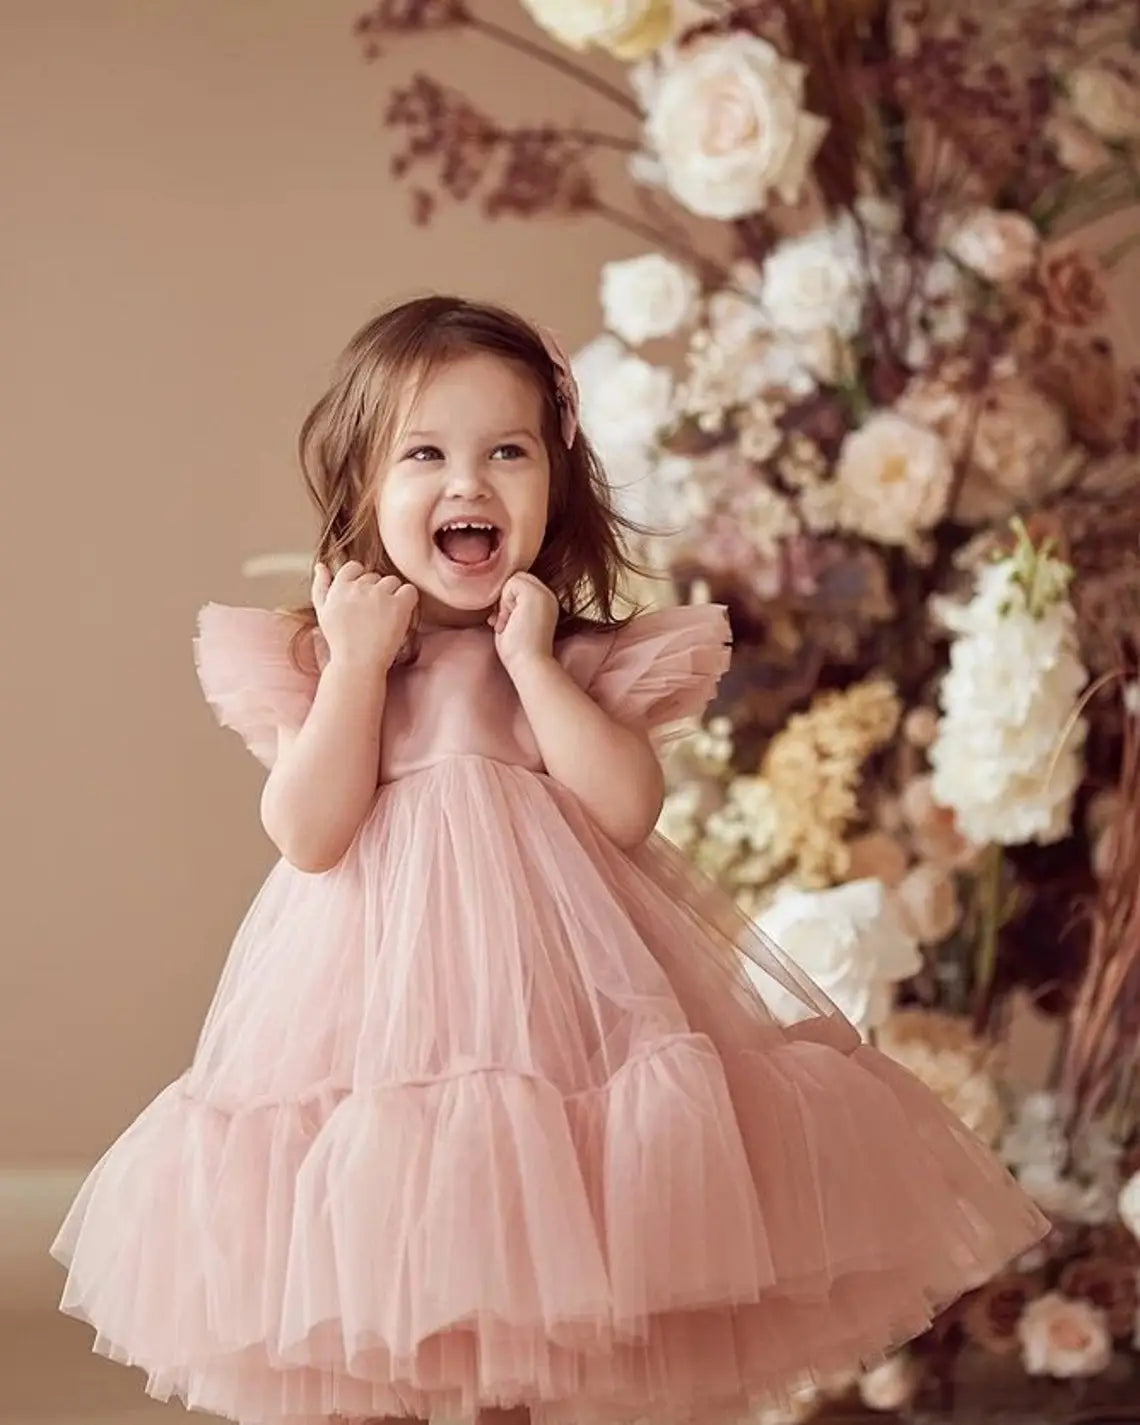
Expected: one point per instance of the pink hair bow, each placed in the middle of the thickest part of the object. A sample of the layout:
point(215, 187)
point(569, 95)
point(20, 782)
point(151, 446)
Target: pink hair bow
point(565, 387)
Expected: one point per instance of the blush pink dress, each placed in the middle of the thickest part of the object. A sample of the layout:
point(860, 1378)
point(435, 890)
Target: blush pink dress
point(492, 1113)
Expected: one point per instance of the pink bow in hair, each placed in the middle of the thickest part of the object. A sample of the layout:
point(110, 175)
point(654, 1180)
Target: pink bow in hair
point(565, 387)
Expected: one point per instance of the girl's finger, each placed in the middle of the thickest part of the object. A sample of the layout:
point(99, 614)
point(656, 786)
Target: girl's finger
point(322, 579)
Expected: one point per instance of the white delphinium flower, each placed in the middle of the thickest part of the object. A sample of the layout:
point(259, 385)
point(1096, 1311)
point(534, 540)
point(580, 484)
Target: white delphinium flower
point(1007, 758)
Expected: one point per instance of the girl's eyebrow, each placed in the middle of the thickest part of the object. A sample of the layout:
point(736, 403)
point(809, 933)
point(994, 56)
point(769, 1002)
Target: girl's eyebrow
point(497, 435)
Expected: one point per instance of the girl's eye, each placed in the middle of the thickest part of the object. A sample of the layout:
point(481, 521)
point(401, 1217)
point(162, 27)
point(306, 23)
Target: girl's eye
point(425, 452)
point(510, 452)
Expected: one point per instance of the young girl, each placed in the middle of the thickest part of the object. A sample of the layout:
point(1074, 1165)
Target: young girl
point(486, 1114)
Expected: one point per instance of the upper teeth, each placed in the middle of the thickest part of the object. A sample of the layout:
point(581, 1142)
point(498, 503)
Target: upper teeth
point(470, 524)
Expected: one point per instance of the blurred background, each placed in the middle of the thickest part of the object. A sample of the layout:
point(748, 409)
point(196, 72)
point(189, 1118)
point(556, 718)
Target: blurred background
point(198, 210)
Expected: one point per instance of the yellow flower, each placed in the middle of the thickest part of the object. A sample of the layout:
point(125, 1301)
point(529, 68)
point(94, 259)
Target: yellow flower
point(628, 29)
point(813, 769)
point(647, 35)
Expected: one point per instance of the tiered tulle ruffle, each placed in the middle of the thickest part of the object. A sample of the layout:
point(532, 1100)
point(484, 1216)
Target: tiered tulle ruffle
point(569, 1158)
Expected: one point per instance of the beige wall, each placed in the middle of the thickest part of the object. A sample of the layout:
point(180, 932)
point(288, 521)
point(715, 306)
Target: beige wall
point(196, 214)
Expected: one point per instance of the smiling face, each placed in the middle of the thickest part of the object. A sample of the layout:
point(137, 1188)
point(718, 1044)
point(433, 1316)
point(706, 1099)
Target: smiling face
point(462, 496)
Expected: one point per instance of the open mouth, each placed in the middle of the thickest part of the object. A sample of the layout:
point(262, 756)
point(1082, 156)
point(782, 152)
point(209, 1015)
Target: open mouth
point(470, 543)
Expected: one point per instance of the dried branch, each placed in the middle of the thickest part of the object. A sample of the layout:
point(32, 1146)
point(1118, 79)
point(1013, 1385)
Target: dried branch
point(525, 171)
point(1102, 1042)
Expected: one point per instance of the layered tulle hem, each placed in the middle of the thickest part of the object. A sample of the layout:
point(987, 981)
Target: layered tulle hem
point(700, 1233)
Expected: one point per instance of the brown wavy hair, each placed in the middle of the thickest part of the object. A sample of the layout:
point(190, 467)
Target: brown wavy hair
point(349, 432)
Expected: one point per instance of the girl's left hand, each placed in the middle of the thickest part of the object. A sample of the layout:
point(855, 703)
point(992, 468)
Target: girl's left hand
point(525, 621)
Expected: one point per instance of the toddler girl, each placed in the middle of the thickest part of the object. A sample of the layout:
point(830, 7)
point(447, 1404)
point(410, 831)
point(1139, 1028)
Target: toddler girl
point(487, 1113)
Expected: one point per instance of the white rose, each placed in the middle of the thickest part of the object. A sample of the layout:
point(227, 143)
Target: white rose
point(727, 122)
point(891, 1385)
point(647, 297)
point(894, 478)
point(999, 246)
point(816, 282)
point(849, 941)
point(629, 29)
point(1128, 1204)
point(1064, 1338)
point(1107, 101)
point(625, 403)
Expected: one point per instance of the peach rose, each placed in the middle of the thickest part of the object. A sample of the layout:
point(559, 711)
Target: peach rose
point(928, 900)
point(999, 246)
point(933, 828)
point(1064, 1338)
point(1077, 148)
point(1014, 438)
point(1107, 99)
point(1071, 285)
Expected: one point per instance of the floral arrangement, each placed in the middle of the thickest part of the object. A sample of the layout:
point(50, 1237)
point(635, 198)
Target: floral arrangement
point(860, 385)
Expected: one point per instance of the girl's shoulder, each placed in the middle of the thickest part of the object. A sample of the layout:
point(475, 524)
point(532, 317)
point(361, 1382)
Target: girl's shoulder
point(258, 669)
point(658, 668)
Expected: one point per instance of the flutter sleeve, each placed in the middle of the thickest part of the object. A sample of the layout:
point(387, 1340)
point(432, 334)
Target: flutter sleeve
point(248, 673)
point(661, 668)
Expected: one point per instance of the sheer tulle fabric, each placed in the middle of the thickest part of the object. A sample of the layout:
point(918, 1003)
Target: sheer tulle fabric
point(491, 1114)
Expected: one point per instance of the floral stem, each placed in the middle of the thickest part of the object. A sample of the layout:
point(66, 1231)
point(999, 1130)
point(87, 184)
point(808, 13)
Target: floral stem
point(599, 140)
point(660, 238)
point(1119, 250)
point(501, 35)
point(990, 908)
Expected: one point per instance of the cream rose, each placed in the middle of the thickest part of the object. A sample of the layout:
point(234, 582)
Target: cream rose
point(630, 29)
point(850, 941)
point(726, 120)
point(647, 297)
point(999, 246)
point(894, 479)
point(1064, 1338)
point(1107, 101)
point(941, 1051)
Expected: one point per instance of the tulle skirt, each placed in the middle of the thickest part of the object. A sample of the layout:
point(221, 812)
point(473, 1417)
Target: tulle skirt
point(492, 1115)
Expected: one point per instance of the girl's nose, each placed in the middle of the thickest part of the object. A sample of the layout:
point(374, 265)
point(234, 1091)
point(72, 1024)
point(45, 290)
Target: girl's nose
point(466, 479)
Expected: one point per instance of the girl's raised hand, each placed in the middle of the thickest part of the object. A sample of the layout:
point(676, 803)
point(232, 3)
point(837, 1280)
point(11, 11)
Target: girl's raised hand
point(364, 617)
point(525, 621)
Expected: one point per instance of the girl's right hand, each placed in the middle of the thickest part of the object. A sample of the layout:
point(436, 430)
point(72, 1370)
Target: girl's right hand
point(364, 617)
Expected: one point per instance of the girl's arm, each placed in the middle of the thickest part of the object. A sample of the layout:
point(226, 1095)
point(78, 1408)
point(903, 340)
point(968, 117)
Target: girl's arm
point(611, 769)
point(324, 777)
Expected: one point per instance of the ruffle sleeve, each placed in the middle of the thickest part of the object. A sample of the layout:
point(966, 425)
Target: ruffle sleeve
point(661, 668)
point(249, 675)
